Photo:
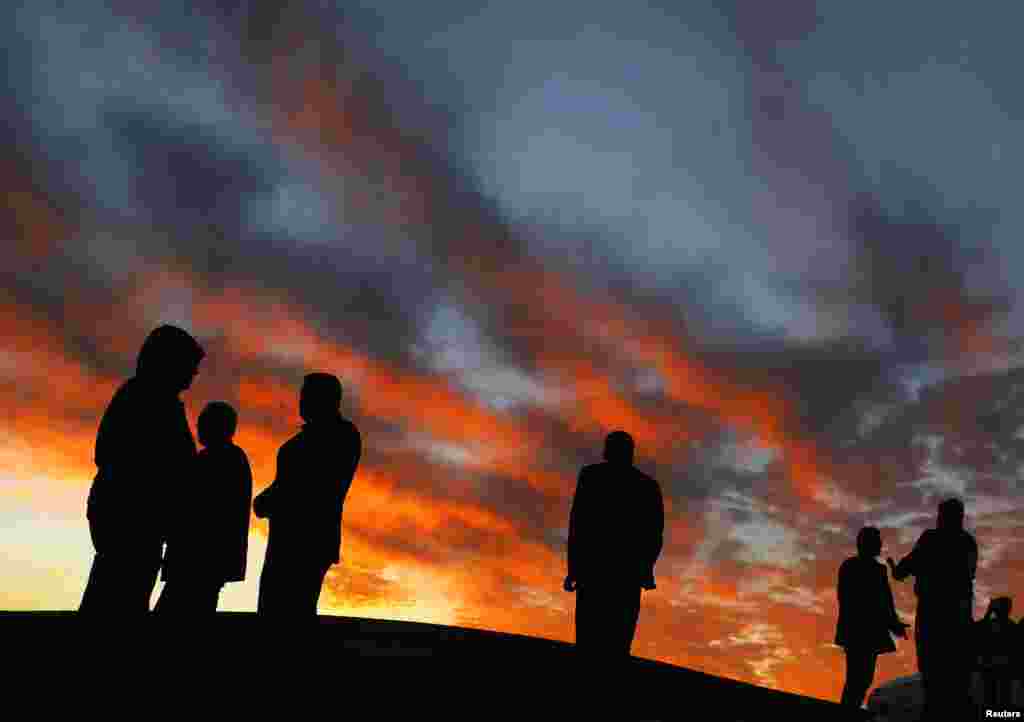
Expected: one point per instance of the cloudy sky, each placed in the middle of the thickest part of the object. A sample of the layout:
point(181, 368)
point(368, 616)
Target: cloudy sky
point(775, 246)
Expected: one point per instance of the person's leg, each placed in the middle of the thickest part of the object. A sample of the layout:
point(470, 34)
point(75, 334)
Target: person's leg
point(313, 582)
point(97, 588)
point(167, 602)
point(583, 615)
point(922, 645)
point(120, 584)
point(631, 614)
point(960, 653)
point(860, 673)
point(188, 597)
point(211, 598)
point(949, 663)
point(267, 602)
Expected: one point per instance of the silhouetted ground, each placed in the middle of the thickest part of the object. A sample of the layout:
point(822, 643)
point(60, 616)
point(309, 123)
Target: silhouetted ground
point(354, 668)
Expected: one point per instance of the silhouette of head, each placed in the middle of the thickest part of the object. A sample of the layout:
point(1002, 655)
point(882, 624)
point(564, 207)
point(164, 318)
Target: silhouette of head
point(217, 423)
point(618, 448)
point(951, 514)
point(170, 357)
point(320, 398)
point(869, 542)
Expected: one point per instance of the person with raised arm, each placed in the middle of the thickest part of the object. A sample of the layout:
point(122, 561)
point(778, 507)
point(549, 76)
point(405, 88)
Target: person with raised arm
point(943, 562)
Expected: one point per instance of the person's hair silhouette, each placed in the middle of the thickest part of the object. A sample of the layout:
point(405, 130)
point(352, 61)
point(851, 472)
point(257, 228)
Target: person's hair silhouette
point(304, 503)
point(616, 525)
point(867, 615)
point(144, 447)
point(943, 562)
point(217, 424)
point(619, 448)
point(208, 542)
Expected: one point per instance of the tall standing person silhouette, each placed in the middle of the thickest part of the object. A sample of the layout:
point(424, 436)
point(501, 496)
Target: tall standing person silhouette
point(943, 563)
point(144, 445)
point(867, 615)
point(305, 501)
point(615, 536)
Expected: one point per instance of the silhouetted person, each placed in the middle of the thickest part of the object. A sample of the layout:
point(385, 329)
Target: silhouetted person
point(209, 536)
point(144, 447)
point(943, 562)
point(304, 503)
point(996, 636)
point(615, 536)
point(867, 615)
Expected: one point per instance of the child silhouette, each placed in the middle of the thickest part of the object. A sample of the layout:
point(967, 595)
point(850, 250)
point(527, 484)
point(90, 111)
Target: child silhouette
point(208, 544)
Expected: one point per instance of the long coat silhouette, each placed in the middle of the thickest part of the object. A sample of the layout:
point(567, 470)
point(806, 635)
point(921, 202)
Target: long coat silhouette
point(304, 505)
point(144, 446)
point(616, 527)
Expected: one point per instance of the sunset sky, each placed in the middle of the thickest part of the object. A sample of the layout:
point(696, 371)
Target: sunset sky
point(778, 243)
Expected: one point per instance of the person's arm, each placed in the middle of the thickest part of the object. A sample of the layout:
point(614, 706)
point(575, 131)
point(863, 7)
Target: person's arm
point(355, 454)
point(908, 564)
point(357, 451)
point(657, 533)
point(843, 587)
point(573, 544)
point(246, 491)
point(268, 501)
point(896, 625)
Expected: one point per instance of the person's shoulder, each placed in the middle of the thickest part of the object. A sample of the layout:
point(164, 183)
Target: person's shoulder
point(645, 478)
point(129, 390)
point(295, 442)
point(228, 453)
point(849, 563)
point(349, 429)
point(238, 452)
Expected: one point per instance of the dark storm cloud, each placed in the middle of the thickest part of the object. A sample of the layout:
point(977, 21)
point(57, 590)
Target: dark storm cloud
point(151, 135)
point(916, 271)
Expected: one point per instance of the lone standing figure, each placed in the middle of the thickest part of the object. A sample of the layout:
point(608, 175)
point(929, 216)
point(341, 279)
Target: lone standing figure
point(305, 501)
point(616, 526)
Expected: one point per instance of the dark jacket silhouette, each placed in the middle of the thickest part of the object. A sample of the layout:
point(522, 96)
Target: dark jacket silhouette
point(616, 525)
point(209, 536)
point(867, 615)
point(867, 612)
point(304, 505)
point(144, 447)
point(943, 562)
point(211, 540)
